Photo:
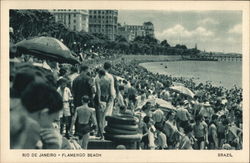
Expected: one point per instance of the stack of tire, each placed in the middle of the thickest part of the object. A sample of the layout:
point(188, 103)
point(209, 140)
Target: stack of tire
point(122, 129)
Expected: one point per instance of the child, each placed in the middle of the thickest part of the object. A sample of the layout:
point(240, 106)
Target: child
point(65, 115)
point(82, 117)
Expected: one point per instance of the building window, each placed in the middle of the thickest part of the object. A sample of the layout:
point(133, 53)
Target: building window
point(74, 21)
point(74, 27)
point(74, 15)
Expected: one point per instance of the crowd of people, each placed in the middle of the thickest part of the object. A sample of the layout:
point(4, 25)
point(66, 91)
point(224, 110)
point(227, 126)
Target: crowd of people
point(212, 119)
point(57, 107)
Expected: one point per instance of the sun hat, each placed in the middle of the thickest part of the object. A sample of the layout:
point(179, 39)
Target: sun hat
point(206, 104)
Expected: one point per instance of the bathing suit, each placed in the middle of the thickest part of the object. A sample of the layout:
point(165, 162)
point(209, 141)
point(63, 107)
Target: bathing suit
point(82, 129)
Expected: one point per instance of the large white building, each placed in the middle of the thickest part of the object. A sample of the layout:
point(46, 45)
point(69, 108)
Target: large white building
point(103, 22)
point(76, 20)
point(130, 32)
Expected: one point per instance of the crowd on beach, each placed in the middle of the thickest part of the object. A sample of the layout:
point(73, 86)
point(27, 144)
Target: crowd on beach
point(62, 106)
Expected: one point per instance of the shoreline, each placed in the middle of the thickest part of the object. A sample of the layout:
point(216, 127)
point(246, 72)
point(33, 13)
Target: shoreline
point(140, 59)
point(151, 58)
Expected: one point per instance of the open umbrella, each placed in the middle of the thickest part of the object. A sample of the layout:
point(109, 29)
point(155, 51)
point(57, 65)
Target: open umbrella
point(164, 104)
point(47, 48)
point(161, 103)
point(182, 90)
point(178, 84)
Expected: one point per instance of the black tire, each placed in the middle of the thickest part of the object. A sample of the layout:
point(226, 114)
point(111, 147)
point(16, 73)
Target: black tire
point(123, 138)
point(119, 131)
point(127, 120)
point(124, 127)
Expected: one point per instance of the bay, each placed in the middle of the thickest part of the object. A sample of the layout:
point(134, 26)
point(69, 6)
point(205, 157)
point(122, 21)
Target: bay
point(221, 73)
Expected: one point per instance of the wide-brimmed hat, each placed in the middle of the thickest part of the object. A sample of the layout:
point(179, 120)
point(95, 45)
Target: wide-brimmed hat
point(207, 104)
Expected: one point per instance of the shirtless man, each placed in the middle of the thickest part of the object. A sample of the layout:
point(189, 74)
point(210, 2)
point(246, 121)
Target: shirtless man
point(232, 134)
point(212, 133)
point(207, 111)
point(200, 132)
point(105, 91)
point(182, 115)
point(84, 115)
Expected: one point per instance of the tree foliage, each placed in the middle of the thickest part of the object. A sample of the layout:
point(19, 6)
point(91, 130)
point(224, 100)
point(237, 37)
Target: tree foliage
point(33, 23)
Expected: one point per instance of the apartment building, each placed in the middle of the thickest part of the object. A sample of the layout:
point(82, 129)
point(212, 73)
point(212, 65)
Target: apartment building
point(76, 20)
point(103, 22)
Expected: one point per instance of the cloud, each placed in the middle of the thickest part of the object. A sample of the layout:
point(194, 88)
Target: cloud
point(237, 29)
point(180, 32)
point(208, 21)
point(200, 31)
point(233, 40)
point(177, 30)
point(204, 37)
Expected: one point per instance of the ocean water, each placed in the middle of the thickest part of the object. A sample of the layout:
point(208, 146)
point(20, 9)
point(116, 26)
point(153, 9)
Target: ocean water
point(222, 73)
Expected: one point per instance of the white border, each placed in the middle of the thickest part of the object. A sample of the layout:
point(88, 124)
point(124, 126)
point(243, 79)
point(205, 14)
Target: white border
point(8, 155)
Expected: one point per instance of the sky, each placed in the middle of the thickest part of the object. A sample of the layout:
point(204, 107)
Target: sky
point(216, 31)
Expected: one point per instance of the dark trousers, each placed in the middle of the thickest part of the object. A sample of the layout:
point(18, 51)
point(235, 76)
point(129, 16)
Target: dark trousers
point(65, 120)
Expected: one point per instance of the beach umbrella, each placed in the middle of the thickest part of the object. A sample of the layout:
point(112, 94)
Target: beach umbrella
point(178, 84)
point(43, 65)
point(182, 90)
point(47, 48)
point(161, 104)
point(164, 104)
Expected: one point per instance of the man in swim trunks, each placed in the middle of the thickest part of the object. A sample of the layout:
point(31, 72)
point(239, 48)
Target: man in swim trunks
point(200, 132)
point(212, 133)
point(105, 92)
